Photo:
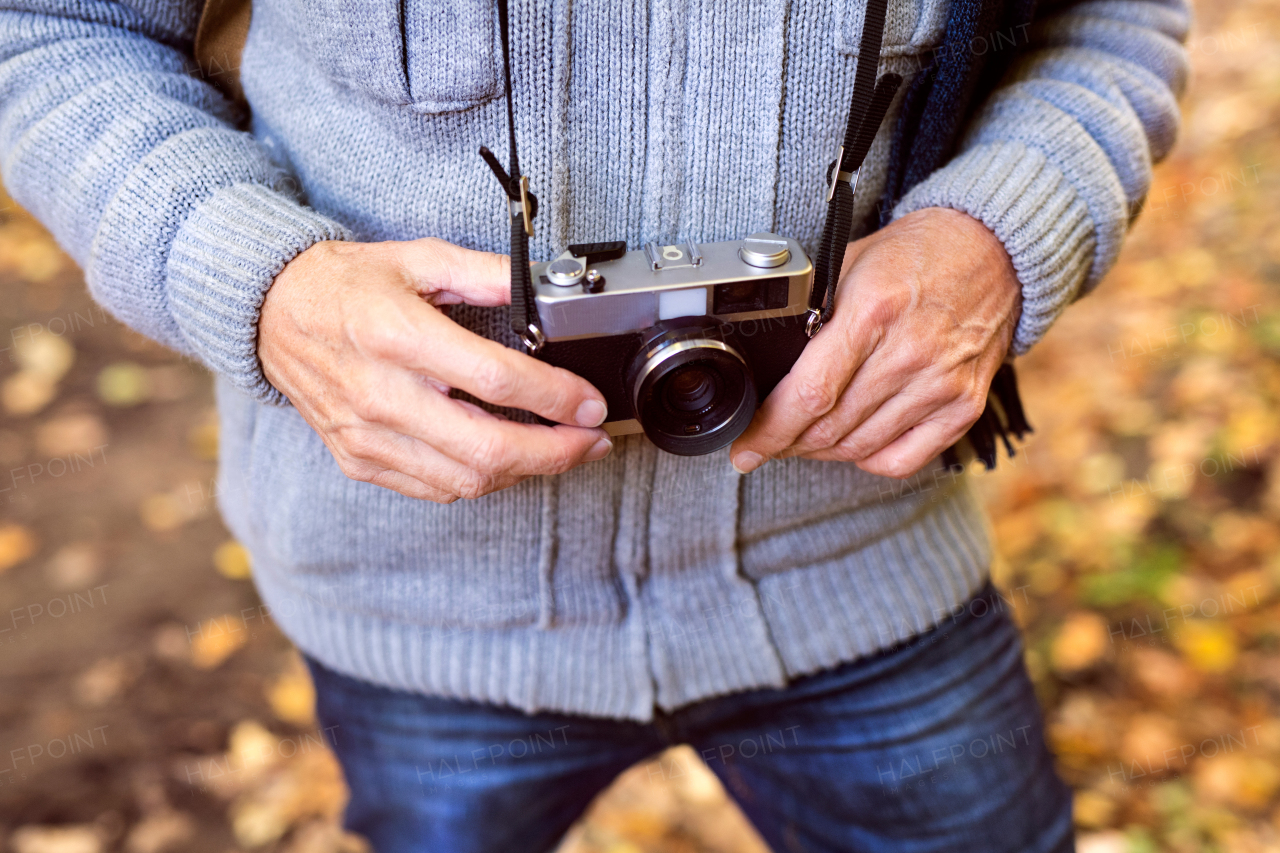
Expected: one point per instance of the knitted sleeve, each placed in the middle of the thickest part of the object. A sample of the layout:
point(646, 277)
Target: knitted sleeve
point(1058, 161)
point(180, 221)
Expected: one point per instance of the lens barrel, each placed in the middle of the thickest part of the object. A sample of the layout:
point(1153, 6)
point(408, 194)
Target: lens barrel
point(693, 391)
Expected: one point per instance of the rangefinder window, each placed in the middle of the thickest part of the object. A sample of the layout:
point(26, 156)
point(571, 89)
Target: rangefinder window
point(761, 294)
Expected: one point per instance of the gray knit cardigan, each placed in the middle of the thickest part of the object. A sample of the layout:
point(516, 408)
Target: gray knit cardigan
point(644, 580)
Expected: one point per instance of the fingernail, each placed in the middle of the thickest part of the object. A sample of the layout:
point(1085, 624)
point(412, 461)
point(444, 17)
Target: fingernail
point(590, 414)
point(599, 450)
point(747, 461)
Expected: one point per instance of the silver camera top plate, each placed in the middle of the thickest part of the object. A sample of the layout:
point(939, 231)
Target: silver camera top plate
point(635, 295)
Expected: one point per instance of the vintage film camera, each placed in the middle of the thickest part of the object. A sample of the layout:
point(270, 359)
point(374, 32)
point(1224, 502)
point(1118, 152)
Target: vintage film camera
point(684, 341)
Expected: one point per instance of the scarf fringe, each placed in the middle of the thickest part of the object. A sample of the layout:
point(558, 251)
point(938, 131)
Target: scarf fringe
point(1003, 418)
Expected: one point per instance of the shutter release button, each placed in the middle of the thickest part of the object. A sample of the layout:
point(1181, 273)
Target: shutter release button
point(764, 250)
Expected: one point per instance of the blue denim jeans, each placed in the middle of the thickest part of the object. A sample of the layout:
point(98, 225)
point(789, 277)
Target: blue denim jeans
point(933, 745)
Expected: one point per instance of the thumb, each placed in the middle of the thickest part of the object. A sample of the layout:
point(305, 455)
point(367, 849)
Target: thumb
point(447, 274)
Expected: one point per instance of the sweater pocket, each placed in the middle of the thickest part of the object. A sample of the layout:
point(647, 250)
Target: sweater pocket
point(910, 26)
point(433, 56)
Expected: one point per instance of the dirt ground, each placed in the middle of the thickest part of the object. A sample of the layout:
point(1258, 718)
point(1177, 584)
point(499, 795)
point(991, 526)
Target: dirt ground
point(147, 704)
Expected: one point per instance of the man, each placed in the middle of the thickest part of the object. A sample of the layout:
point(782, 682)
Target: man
point(464, 581)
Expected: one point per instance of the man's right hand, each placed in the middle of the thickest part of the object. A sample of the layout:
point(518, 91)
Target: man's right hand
point(352, 334)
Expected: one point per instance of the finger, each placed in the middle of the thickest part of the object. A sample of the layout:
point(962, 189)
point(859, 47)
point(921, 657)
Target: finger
point(415, 335)
point(876, 383)
point(891, 420)
point(909, 449)
point(479, 441)
point(477, 278)
point(912, 451)
point(953, 416)
point(809, 391)
point(412, 467)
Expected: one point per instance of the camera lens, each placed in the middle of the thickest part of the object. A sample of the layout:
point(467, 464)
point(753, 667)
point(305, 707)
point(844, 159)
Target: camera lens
point(690, 388)
point(693, 391)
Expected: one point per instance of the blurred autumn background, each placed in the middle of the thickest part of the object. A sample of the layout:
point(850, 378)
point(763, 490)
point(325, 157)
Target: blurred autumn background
point(148, 705)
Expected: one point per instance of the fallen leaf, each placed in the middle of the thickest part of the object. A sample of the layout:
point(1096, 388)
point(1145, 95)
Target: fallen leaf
point(103, 682)
point(170, 510)
point(1241, 780)
point(320, 836)
point(74, 566)
point(232, 561)
point(47, 355)
point(17, 544)
point(1081, 642)
point(27, 392)
point(56, 839)
point(1209, 645)
point(1152, 742)
point(171, 642)
point(1162, 673)
point(292, 695)
point(216, 641)
point(161, 832)
point(203, 439)
point(69, 434)
point(1093, 809)
point(123, 384)
point(1102, 842)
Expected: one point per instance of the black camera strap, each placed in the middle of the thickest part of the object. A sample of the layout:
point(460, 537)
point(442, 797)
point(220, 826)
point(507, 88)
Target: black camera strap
point(523, 206)
point(871, 100)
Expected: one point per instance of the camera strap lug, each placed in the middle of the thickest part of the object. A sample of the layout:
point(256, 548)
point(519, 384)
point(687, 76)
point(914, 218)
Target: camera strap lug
point(532, 338)
point(814, 322)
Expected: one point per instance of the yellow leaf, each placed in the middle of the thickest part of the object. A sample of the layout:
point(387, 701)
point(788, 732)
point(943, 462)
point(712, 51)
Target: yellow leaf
point(1245, 781)
point(216, 641)
point(1093, 810)
point(161, 512)
point(16, 545)
point(293, 697)
point(1208, 646)
point(232, 561)
point(123, 384)
point(203, 440)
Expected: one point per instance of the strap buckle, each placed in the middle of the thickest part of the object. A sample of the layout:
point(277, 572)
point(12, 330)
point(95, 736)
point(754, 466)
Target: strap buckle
point(837, 175)
point(521, 208)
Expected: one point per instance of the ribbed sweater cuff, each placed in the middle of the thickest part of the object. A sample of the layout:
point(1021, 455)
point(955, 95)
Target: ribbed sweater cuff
point(1036, 213)
point(224, 258)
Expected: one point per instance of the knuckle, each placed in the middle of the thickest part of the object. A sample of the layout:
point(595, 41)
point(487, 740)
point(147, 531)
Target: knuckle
point(562, 457)
point(359, 445)
point(879, 310)
point(970, 406)
point(494, 380)
point(815, 394)
point(355, 469)
point(848, 450)
point(488, 453)
point(367, 404)
point(824, 434)
point(473, 484)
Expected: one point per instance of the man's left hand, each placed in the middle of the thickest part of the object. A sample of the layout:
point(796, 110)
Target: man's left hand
point(924, 315)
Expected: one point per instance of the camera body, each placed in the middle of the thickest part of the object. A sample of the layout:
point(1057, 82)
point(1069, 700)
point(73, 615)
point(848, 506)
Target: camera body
point(684, 341)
